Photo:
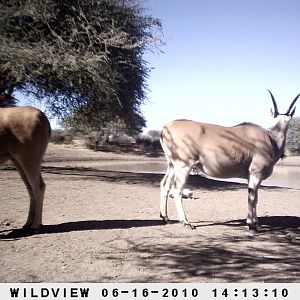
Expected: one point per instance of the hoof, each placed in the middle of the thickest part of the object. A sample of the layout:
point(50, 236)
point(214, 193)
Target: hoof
point(165, 219)
point(188, 225)
point(254, 227)
point(26, 228)
point(31, 230)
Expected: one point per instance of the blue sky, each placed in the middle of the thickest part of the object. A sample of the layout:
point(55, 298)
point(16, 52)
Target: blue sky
point(219, 59)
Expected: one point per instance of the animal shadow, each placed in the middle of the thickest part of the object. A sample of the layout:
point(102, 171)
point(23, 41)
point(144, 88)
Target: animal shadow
point(79, 226)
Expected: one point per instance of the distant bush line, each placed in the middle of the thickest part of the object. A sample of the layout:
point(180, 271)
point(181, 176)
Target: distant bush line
point(117, 142)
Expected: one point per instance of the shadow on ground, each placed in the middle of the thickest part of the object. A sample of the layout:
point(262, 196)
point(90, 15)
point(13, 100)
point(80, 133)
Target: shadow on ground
point(152, 179)
point(232, 256)
point(276, 224)
point(80, 226)
point(237, 258)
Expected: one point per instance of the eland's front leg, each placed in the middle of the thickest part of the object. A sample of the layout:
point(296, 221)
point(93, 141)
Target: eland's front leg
point(253, 186)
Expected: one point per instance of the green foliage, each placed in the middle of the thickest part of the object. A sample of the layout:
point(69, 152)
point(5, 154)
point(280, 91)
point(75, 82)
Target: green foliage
point(293, 137)
point(7, 100)
point(83, 58)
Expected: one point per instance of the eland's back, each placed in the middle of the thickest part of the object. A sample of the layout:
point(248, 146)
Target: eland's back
point(218, 151)
point(24, 130)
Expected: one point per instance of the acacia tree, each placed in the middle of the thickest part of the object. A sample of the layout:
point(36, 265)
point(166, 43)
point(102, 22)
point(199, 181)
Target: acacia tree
point(82, 58)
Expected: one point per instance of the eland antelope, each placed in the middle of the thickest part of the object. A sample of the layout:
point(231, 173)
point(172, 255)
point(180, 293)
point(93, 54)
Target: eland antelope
point(24, 135)
point(245, 151)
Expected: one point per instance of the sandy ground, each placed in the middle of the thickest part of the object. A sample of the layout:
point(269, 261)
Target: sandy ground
point(102, 226)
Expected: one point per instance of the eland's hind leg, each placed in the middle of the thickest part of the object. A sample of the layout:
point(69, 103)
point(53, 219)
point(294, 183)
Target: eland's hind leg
point(182, 174)
point(165, 186)
point(31, 176)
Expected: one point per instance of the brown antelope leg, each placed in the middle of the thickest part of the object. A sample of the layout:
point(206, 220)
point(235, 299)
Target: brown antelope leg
point(35, 185)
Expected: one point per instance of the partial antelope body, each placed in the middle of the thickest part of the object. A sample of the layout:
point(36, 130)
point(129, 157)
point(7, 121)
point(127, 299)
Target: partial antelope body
point(24, 135)
point(244, 151)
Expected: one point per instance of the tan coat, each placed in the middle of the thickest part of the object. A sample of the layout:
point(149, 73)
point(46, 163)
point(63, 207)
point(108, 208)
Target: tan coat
point(24, 135)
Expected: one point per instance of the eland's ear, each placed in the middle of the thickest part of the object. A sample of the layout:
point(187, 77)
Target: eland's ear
point(272, 112)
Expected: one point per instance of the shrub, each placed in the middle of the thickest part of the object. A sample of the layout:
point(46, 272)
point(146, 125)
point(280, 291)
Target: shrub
point(61, 137)
point(293, 137)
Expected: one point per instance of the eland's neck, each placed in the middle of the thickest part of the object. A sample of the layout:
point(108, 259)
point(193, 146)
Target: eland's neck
point(278, 134)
